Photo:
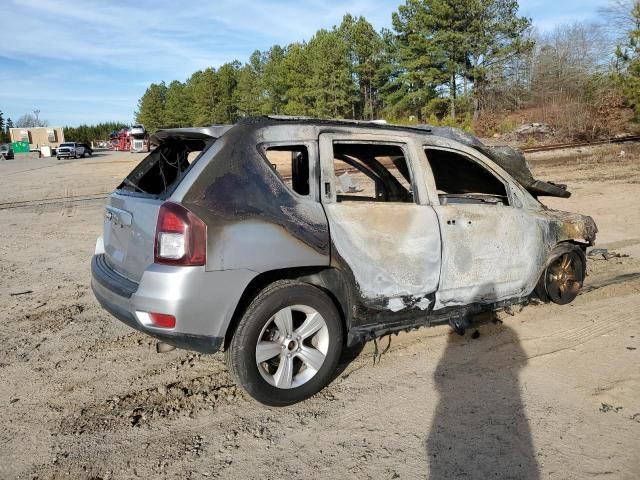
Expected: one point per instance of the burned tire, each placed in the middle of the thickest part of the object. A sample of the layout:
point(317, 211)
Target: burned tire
point(563, 275)
point(287, 343)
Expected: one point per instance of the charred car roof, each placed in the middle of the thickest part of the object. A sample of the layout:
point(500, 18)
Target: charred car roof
point(510, 159)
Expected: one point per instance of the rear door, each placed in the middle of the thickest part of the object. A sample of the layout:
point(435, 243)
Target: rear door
point(380, 226)
point(491, 247)
point(132, 210)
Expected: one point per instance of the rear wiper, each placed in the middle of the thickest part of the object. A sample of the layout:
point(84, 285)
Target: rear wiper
point(491, 200)
point(131, 184)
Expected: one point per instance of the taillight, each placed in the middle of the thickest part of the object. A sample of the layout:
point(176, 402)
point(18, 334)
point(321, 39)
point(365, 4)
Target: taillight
point(181, 237)
point(162, 320)
point(158, 320)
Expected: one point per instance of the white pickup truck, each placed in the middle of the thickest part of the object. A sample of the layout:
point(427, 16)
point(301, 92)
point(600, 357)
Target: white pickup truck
point(72, 149)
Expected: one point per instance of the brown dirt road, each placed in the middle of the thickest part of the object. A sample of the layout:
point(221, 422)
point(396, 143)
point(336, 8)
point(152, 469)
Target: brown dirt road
point(552, 392)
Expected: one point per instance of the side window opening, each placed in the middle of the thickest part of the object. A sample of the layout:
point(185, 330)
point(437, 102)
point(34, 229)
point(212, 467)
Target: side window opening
point(291, 162)
point(371, 172)
point(460, 180)
point(165, 166)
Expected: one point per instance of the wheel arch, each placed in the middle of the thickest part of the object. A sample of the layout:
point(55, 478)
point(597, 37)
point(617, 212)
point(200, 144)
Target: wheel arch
point(582, 245)
point(330, 280)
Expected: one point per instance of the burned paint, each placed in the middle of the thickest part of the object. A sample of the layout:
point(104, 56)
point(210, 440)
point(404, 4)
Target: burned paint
point(508, 158)
point(392, 249)
point(567, 226)
point(398, 264)
point(242, 197)
point(490, 253)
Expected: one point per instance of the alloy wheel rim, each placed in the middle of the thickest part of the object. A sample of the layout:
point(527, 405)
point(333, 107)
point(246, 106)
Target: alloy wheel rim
point(564, 278)
point(292, 346)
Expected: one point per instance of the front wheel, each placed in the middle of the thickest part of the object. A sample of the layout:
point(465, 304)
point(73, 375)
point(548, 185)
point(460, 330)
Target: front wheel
point(563, 276)
point(287, 344)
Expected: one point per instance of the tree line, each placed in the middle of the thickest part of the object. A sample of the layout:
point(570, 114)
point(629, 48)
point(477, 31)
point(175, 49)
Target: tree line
point(442, 61)
point(436, 52)
point(4, 128)
point(88, 133)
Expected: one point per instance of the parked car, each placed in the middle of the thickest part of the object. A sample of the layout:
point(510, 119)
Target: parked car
point(287, 240)
point(73, 150)
point(6, 151)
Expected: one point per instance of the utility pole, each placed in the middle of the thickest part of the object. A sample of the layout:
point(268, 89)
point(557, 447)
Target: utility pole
point(36, 112)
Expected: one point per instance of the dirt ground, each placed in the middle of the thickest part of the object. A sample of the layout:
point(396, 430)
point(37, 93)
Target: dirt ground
point(549, 392)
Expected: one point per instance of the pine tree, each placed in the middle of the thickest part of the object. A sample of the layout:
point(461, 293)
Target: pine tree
point(495, 34)
point(330, 84)
point(248, 94)
point(440, 42)
point(202, 89)
point(224, 109)
point(366, 49)
point(274, 81)
point(431, 46)
point(177, 109)
point(629, 64)
point(151, 107)
point(295, 72)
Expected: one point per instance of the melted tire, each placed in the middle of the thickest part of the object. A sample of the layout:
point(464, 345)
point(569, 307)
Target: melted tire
point(546, 289)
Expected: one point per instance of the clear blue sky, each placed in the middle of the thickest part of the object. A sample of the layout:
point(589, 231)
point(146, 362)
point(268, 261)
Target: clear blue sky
point(89, 61)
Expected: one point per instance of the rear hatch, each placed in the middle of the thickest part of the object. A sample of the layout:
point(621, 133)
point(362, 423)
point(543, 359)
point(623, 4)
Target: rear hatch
point(132, 210)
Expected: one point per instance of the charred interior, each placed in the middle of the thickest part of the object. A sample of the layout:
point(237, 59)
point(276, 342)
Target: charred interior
point(371, 172)
point(294, 174)
point(460, 180)
point(164, 167)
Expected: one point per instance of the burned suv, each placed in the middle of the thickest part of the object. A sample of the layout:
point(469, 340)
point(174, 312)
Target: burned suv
point(285, 240)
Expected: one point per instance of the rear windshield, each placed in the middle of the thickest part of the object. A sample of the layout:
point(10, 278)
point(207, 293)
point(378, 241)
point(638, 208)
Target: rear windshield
point(162, 170)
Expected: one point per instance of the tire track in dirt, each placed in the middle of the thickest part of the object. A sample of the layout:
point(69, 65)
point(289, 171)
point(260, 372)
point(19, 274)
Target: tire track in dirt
point(31, 330)
point(98, 460)
point(53, 320)
point(144, 407)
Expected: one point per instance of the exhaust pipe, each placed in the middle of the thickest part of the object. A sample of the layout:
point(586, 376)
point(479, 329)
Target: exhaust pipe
point(162, 347)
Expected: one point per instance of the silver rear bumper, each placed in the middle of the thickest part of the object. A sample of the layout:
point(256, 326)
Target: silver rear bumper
point(202, 302)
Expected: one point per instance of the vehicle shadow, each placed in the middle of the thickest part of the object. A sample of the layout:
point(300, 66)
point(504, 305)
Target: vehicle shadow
point(480, 428)
point(348, 355)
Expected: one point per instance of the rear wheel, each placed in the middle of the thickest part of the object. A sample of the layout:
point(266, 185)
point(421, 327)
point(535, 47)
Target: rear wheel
point(564, 275)
point(287, 344)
